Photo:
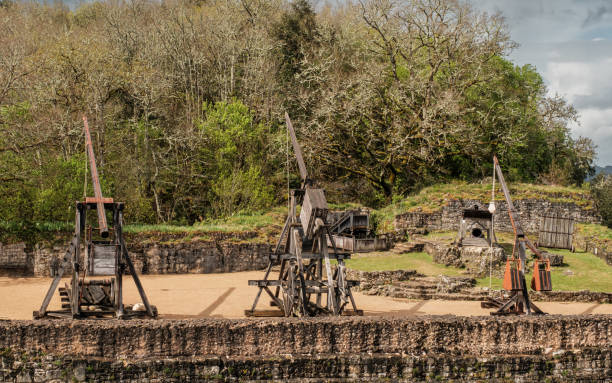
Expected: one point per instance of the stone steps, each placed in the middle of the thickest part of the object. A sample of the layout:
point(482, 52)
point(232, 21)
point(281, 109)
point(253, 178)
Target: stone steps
point(407, 247)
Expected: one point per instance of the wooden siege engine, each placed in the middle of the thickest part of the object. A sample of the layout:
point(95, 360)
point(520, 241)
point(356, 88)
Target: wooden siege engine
point(306, 284)
point(514, 275)
point(105, 255)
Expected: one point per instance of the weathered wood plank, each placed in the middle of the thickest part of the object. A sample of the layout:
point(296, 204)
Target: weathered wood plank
point(556, 232)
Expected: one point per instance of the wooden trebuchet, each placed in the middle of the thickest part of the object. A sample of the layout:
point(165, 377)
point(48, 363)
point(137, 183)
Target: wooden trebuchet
point(514, 276)
point(306, 283)
point(105, 256)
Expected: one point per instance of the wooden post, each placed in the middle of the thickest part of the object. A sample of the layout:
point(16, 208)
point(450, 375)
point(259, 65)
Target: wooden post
point(119, 265)
point(130, 265)
point(331, 294)
point(68, 257)
point(75, 300)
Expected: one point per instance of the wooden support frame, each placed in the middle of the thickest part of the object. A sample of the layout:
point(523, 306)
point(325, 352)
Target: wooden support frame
point(306, 283)
point(95, 298)
point(78, 306)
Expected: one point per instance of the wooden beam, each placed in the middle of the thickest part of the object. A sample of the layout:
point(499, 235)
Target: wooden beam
point(297, 149)
point(128, 260)
point(95, 182)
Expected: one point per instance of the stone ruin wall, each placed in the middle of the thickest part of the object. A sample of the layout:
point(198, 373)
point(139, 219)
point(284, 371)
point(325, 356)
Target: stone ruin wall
point(530, 212)
point(199, 256)
point(526, 349)
point(14, 260)
point(409, 284)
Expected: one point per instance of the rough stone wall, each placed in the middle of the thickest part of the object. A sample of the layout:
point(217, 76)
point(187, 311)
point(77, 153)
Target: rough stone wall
point(479, 336)
point(602, 249)
point(529, 349)
point(201, 258)
point(587, 365)
point(474, 259)
point(13, 256)
point(529, 210)
point(159, 258)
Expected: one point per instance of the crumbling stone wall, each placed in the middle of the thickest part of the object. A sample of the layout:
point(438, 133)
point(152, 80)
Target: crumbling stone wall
point(527, 349)
point(201, 258)
point(412, 285)
point(601, 248)
point(587, 365)
point(206, 256)
point(474, 259)
point(529, 210)
point(13, 256)
point(327, 335)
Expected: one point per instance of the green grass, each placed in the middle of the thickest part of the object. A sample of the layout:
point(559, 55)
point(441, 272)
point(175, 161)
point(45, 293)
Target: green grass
point(344, 205)
point(600, 232)
point(37, 226)
point(589, 272)
point(421, 262)
point(33, 232)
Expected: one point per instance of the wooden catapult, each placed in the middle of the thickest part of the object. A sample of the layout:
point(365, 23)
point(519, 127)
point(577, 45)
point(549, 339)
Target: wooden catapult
point(514, 275)
point(306, 284)
point(105, 255)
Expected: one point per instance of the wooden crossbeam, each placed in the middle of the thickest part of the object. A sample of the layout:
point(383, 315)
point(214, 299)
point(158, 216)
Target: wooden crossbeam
point(277, 282)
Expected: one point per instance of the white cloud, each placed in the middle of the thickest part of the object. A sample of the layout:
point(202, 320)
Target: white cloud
point(597, 124)
point(570, 44)
point(585, 78)
point(569, 79)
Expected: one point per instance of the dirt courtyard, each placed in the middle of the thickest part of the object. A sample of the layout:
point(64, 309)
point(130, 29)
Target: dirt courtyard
point(228, 295)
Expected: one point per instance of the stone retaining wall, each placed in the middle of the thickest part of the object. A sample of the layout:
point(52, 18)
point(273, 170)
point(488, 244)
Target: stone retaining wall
point(529, 210)
point(529, 349)
point(600, 249)
point(137, 339)
point(199, 256)
point(587, 365)
point(13, 256)
point(475, 259)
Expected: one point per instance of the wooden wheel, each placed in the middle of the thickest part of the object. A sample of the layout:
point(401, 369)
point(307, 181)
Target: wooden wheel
point(294, 293)
point(288, 295)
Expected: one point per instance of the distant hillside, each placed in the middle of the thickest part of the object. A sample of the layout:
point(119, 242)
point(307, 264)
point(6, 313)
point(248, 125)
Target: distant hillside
point(600, 169)
point(606, 170)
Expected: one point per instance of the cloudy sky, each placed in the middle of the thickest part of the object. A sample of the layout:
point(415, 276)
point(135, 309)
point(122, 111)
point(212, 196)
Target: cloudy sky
point(570, 44)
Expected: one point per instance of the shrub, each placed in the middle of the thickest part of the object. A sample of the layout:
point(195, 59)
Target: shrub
point(601, 188)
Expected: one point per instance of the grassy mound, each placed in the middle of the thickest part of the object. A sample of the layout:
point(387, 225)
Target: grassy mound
point(433, 198)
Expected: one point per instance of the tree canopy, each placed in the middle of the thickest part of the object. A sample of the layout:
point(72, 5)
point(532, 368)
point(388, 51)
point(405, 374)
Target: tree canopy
point(186, 101)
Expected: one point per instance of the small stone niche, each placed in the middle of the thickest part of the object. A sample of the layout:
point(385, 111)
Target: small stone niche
point(475, 228)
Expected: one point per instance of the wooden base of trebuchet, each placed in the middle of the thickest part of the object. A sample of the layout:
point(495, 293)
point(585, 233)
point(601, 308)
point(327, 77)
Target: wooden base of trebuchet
point(517, 304)
point(301, 291)
point(306, 283)
point(84, 297)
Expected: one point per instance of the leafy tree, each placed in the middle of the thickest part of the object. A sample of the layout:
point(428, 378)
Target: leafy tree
point(601, 188)
point(233, 153)
point(386, 96)
point(296, 31)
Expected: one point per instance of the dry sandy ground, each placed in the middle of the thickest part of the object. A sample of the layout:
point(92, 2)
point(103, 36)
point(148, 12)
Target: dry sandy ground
point(228, 295)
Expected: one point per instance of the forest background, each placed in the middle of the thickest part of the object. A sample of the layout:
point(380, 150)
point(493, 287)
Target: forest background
point(186, 100)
